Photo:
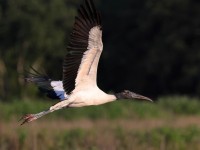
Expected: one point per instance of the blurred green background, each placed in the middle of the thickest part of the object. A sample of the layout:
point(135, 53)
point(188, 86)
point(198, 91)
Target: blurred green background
point(150, 47)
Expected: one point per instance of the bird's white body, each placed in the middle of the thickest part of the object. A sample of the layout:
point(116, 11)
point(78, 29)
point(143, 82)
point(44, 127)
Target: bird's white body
point(79, 87)
point(89, 96)
point(86, 91)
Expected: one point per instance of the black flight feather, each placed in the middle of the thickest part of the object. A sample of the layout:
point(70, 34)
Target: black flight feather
point(87, 18)
point(42, 81)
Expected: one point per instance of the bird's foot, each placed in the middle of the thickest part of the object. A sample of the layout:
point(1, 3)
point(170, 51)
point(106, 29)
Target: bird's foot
point(27, 118)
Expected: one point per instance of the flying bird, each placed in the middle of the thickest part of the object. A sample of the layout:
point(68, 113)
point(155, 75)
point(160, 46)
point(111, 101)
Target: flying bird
point(78, 87)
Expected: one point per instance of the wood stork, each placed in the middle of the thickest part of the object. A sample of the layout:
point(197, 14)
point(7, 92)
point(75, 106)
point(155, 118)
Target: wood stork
point(78, 87)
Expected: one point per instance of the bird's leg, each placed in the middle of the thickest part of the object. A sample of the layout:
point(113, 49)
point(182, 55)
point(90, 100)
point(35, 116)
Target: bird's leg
point(31, 117)
point(60, 105)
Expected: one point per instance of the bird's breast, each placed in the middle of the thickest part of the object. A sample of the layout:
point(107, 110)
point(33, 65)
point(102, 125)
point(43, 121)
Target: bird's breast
point(89, 97)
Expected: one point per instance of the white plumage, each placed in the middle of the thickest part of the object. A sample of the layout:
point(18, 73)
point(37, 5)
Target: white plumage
point(59, 90)
point(78, 87)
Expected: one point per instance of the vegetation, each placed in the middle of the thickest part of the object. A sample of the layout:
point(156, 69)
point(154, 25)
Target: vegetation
point(164, 107)
point(170, 123)
point(37, 138)
point(159, 52)
point(153, 44)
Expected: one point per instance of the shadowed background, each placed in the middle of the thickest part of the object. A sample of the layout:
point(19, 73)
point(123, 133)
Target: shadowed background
point(150, 47)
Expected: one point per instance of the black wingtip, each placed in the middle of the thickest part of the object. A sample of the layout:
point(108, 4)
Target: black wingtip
point(87, 18)
point(34, 76)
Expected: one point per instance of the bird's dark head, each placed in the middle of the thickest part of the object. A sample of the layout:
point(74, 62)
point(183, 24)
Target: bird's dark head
point(126, 94)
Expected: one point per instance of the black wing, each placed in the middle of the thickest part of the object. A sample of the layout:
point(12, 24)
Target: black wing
point(53, 89)
point(87, 18)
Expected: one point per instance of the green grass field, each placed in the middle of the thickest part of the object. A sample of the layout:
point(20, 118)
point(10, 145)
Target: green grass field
point(169, 123)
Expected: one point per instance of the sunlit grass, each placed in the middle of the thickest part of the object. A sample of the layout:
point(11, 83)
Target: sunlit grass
point(101, 138)
point(169, 123)
point(127, 109)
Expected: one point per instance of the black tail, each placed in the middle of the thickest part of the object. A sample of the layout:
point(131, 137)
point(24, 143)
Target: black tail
point(35, 76)
point(43, 83)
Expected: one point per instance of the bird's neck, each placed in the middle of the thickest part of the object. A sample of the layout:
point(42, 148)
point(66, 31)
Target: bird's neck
point(104, 98)
point(119, 96)
point(111, 97)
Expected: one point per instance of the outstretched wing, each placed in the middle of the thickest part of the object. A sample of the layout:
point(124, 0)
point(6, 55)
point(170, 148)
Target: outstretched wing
point(84, 48)
point(53, 89)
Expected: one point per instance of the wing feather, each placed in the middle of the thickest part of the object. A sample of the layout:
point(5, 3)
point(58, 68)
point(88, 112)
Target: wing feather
point(53, 89)
point(77, 62)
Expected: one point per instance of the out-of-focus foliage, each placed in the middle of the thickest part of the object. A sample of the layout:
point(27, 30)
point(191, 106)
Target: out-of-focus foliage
point(149, 46)
point(171, 123)
point(32, 33)
point(166, 107)
point(152, 46)
point(40, 136)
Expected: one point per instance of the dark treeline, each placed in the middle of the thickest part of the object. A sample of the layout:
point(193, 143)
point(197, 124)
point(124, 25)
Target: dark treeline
point(151, 47)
